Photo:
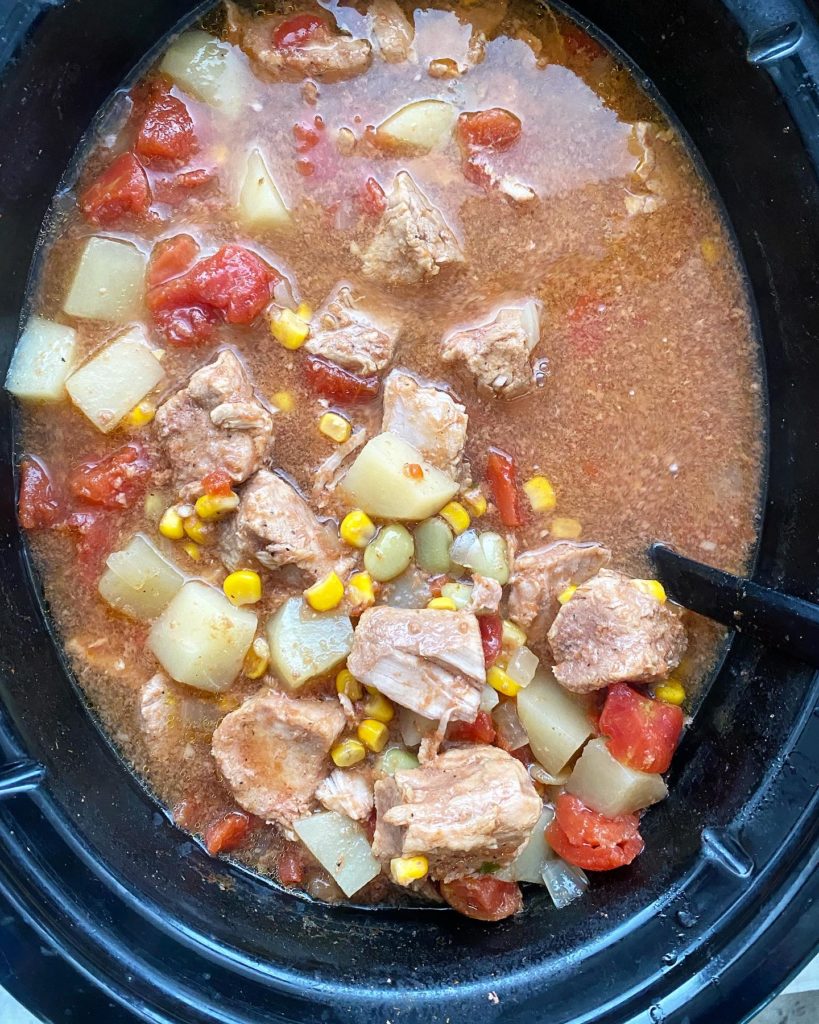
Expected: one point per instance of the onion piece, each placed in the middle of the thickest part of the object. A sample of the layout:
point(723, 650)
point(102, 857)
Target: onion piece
point(409, 590)
point(565, 882)
point(529, 863)
point(483, 553)
point(539, 774)
point(508, 726)
point(530, 316)
point(489, 699)
point(459, 593)
point(522, 666)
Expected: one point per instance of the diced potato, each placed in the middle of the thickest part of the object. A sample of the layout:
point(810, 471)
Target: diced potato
point(612, 788)
point(339, 844)
point(260, 202)
point(116, 379)
point(139, 581)
point(378, 484)
point(555, 721)
point(418, 127)
point(528, 865)
point(304, 643)
point(201, 639)
point(207, 68)
point(109, 282)
point(42, 361)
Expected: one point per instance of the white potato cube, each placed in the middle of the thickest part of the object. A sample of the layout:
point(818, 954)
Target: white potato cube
point(208, 68)
point(418, 127)
point(201, 639)
point(612, 788)
point(555, 721)
point(340, 846)
point(305, 644)
point(109, 282)
point(116, 379)
point(139, 581)
point(42, 361)
point(260, 202)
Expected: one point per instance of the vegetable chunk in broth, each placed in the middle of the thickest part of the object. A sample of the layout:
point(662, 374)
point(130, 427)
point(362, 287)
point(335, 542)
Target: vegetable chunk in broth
point(370, 348)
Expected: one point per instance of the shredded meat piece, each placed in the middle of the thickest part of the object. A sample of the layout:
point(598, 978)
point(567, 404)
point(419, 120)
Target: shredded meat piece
point(349, 792)
point(272, 752)
point(611, 632)
point(170, 715)
point(542, 574)
point(214, 423)
point(486, 595)
point(646, 191)
point(427, 660)
point(427, 418)
point(392, 30)
point(347, 333)
point(412, 241)
point(468, 806)
point(330, 472)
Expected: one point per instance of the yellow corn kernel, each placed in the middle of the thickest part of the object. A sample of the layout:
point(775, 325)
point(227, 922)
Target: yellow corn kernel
point(243, 587)
point(475, 500)
point(348, 752)
point(456, 515)
point(378, 707)
point(671, 692)
point(192, 550)
point(284, 401)
point(653, 588)
point(566, 595)
point(325, 594)
point(360, 590)
point(501, 682)
point(304, 312)
point(216, 506)
point(563, 528)
point(347, 684)
point(289, 329)
point(141, 415)
point(198, 530)
point(709, 247)
point(404, 870)
point(357, 529)
point(257, 659)
point(171, 525)
point(512, 635)
point(373, 734)
point(335, 427)
point(540, 493)
point(443, 604)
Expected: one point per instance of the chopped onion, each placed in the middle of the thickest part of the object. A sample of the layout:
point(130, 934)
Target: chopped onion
point(564, 881)
point(522, 666)
point(459, 593)
point(512, 734)
point(489, 698)
point(539, 774)
point(483, 553)
point(530, 312)
point(528, 865)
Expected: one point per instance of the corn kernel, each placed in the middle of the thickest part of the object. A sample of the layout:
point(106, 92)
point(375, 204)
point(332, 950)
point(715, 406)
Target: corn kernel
point(670, 692)
point(404, 870)
point(348, 752)
point(199, 531)
point(216, 506)
point(335, 427)
point(257, 659)
point(512, 635)
point(500, 681)
point(373, 734)
point(284, 401)
point(378, 707)
point(653, 588)
point(566, 595)
point(192, 550)
point(443, 604)
point(347, 684)
point(456, 515)
point(171, 525)
point(360, 590)
point(289, 329)
point(141, 415)
point(563, 528)
point(325, 594)
point(540, 493)
point(357, 529)
point(709, 247)
point(243, 587)
point(476, 501)
point(304, 312)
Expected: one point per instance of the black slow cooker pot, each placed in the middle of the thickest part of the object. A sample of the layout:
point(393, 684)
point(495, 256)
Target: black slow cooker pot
point(108, 913)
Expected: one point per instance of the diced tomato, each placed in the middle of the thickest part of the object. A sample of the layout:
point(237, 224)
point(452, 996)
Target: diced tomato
point(414, 470)
point(290, 866)
point(643, 733)
point(523, 754)
point(112, 482)
point(590, 840)
point(305, 167)
point(121, 189)
point(170, 258)
point(369, 824)
point(94, 533)
point(307, 136)
point(298, 30)
point(373, 199)
point(39, 505)
point(580, 44)
point(227, 832)
point(186, 325)
point(502, 473)
point(167, 131)
point(483, 898)
point(495, 128)
point(178, 188)
point(330, 381)
point(217, 482)
point(477, 170)
point(491, 628)
point(482, 730)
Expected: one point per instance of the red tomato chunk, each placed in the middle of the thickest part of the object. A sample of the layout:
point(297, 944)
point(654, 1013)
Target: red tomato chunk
point(167, 131)
point(590, 840)
point(291, 867)
point(121, 189)
point(113, 482)
point(217, 482)
point(94, 533)
point(171, 257)
point(330, 381)
point(502, 473)
point(495, 128)
point(298, 30)
point(484, 899)
point(373, 200)
point(643, 733)
point(491, 628)
point(227, 832)
point(39, 505)
point(482, 730)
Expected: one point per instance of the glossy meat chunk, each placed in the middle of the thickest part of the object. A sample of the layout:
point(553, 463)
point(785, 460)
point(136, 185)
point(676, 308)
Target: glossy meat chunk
point(348, 791)
point(393, 31)
point(427, 418)
point(350, 335)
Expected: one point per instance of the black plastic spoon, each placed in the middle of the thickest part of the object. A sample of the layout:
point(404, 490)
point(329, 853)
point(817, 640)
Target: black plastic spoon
point(776, 619)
